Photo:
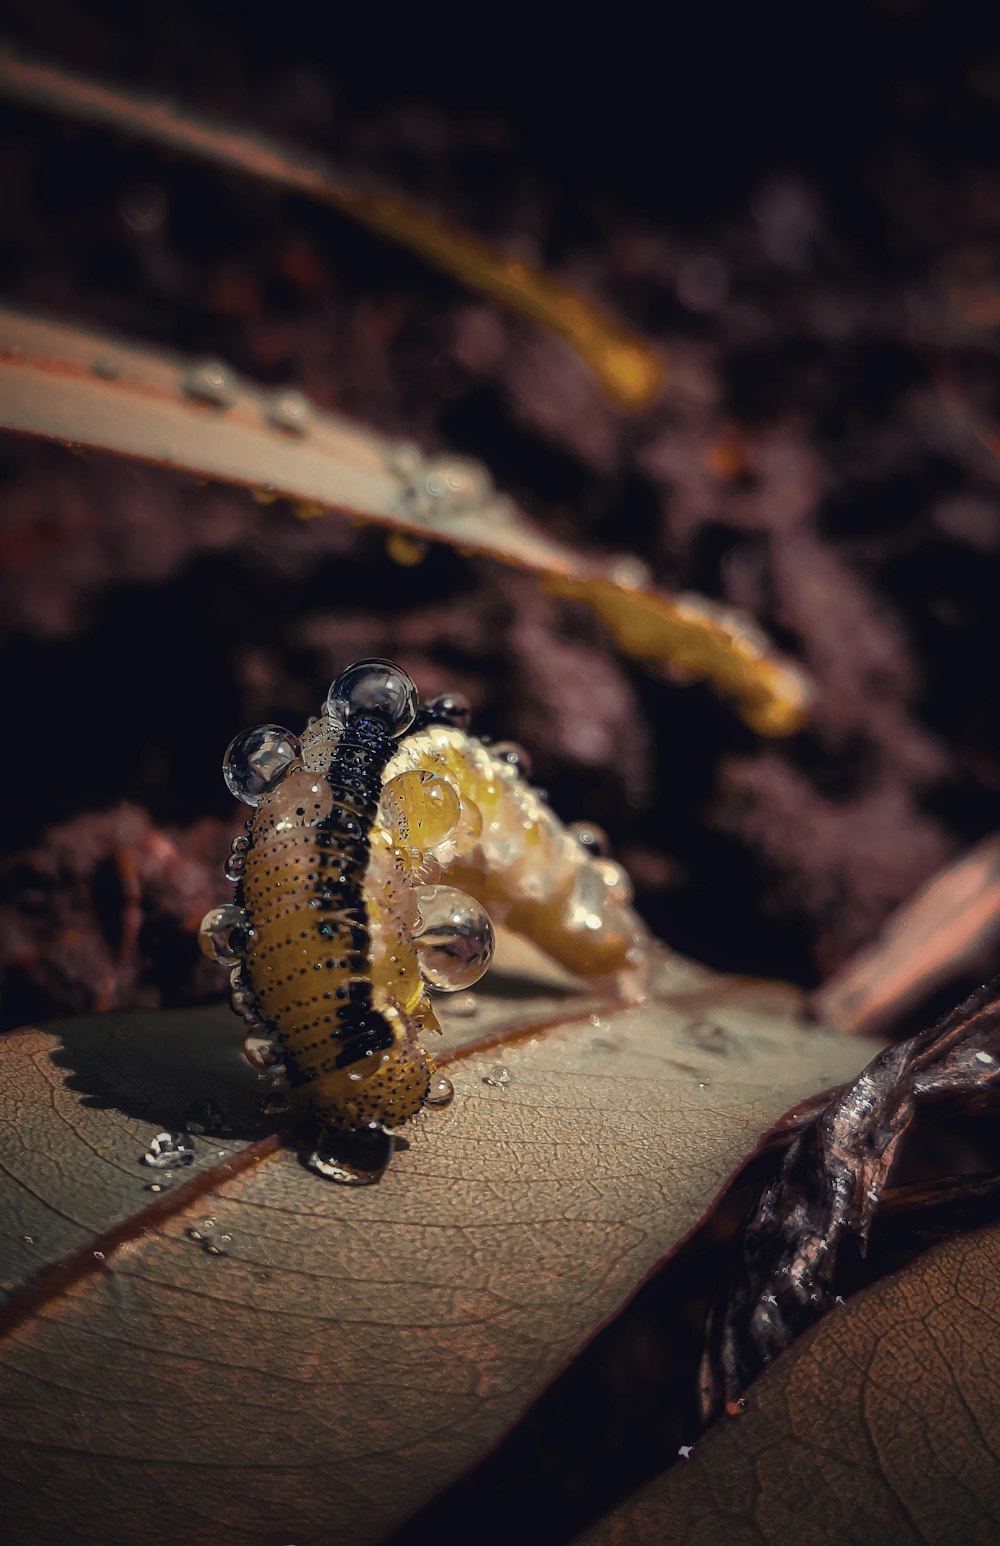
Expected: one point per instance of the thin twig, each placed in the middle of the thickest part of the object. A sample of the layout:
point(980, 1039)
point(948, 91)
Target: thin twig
point(626, 366)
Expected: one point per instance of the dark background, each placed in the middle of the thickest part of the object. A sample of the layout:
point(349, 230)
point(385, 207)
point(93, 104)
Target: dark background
point(797, 205)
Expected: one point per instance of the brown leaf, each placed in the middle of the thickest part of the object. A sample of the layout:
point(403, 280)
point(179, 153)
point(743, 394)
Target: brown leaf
point(352, 1351)
point(830, 1184)
point(626, 366)
point(88, 389)
point(949, 926)
point(878, 1426)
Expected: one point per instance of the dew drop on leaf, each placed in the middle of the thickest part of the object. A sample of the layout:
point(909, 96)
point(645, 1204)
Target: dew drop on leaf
point(168, 1149)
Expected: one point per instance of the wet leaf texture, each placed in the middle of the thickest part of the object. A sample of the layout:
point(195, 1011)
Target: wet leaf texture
point(341, 1355)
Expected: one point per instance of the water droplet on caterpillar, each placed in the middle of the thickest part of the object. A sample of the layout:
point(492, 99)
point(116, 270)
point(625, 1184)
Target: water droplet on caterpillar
point(256, 759)
point(591, 838)
point(243, 1000)
point(441, 1092)
point(450, 708)
point(423, 808)
point(616, 879)
point(302, 799)
point(376, 687)
point(225, 934)
point(513, 755)
point(453, 938)
point(471, 825)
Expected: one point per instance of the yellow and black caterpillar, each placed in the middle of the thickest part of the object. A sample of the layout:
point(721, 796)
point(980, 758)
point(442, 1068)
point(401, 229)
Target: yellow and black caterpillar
point(382, 845)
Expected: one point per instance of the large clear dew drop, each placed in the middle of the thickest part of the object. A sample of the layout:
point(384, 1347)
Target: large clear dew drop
point(423, 808)
point(376, 687)
point(441, 1091)
point(256, 759)
point(352, 1158)
point(225, 934)
point(453, 938)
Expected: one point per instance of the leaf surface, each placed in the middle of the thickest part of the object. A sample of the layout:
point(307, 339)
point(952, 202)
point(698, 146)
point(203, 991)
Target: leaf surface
point(881, 1425)
point(351, 1351)
point(89, 389)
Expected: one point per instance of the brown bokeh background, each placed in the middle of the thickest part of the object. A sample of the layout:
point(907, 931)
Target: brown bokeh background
point(800, 211)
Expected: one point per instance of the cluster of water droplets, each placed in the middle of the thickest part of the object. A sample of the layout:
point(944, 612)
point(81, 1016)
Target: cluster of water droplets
point(438, 487)
point(237, 862)
point(452, 933)
point(169, 1151)
point(213, 1243)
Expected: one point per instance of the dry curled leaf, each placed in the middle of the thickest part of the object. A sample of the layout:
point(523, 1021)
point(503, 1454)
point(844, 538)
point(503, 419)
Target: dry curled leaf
point(830, 1184)
point(879, 1426)
point(348, 1353)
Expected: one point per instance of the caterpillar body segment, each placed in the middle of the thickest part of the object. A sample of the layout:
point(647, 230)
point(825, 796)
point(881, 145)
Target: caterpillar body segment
point(309, 964)
point(530, 871)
